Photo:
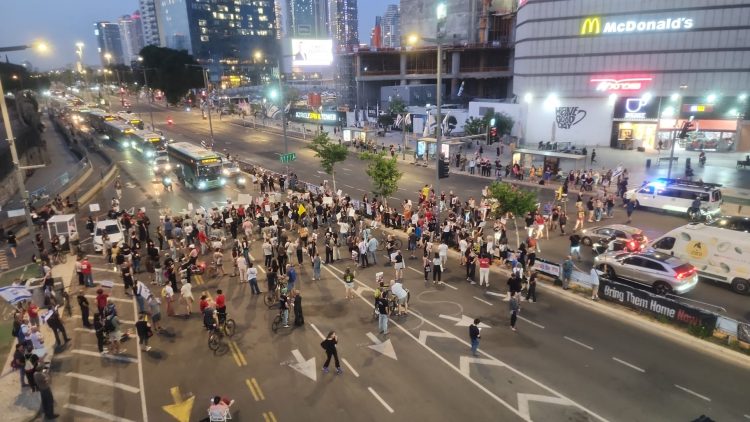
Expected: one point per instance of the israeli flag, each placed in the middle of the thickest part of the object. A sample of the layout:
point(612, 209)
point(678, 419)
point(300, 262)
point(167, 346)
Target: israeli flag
point(15, 294)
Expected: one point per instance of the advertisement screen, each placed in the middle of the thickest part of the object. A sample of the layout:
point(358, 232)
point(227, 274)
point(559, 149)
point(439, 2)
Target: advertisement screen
point(312, 52)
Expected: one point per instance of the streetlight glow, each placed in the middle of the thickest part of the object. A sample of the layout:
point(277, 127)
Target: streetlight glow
point(442, 11)
point(412, 39)
point(711, 98)
point(674, 97)
point(528, 97)
point(257, 55)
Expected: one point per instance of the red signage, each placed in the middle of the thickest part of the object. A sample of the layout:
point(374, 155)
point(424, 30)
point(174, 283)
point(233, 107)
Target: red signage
point(621, 83)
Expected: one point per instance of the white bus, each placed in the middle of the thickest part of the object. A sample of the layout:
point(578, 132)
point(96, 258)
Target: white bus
point(195, 166)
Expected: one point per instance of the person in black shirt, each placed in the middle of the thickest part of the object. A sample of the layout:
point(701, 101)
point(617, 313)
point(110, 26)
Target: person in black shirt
point(382, 304)
point(284, 307)
point(474, 336)
point(329, 345)
point(531, 293)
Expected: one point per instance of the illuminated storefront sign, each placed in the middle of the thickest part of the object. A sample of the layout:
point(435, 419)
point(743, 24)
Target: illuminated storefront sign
point(331, 118)
point(596, 25)
point(309, 115)
point(620, 83)
point(634, 107)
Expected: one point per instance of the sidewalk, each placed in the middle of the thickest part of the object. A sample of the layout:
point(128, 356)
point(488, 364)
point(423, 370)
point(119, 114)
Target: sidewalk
point(21, 404)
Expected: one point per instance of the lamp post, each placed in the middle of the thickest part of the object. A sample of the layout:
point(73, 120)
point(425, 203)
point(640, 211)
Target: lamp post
point(12, 141)
point(208, 97)
point(442, 14)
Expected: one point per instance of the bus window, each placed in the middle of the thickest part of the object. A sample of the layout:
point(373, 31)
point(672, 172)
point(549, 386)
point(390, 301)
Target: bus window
point(666, 243)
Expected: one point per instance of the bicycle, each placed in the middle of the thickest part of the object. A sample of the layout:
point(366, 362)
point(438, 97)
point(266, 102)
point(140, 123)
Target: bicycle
point(273, 296)
point(219, 331)
point(383, 240)
point(276, 323)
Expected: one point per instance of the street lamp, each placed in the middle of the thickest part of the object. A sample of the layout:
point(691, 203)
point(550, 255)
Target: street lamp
point(41, 47)
point(204, 69)
point(442, 14)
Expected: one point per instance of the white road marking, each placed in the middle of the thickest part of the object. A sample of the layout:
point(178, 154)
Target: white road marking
point(140, 374)
point(105, 356)
point(466, 361)
point(393, 197)
point(692, 392)
point(448, 285)
point(85, 330)
point(97, 413)
point(317, 331)
point(350, 186)
point(531, 322)
point(578, 342)
point(524, 399)
point(102, 381)
point(747, 416)
point(380, 399)
point(346, 363)
point(495, 294)
point(415, 270)
point(424, 334)
point(483, 301)
point(628, 365)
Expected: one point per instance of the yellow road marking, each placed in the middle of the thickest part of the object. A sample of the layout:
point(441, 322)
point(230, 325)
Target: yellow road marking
point(269, 417)
point(239, 352)
point(257, 388)
point(252, 390)
point(234, 354)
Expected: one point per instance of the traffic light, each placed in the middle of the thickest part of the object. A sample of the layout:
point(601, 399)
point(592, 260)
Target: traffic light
point(688, 126)
point(443, 168)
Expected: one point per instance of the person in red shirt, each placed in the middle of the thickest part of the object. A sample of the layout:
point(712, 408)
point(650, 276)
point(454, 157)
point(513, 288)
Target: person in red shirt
point(203, 303)
point(33, 312)
point(221, 306)
point(101, 300)
point(202, 241)
point(484, 270)
point(86, 271)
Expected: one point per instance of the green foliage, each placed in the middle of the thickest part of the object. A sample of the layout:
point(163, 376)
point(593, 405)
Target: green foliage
point(511, 199)
point(503, 123)
point(329, 152)
point(701, 331)
point(397, 106)
point(170, 73)
point(474, 126)
point(383, 170)
point(385, 120)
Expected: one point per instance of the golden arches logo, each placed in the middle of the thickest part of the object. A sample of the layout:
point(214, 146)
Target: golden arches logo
point(591, 26)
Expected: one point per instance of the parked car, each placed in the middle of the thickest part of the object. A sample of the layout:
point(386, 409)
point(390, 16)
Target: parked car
point(661, 272)
point(634, 237)
point(112, 228)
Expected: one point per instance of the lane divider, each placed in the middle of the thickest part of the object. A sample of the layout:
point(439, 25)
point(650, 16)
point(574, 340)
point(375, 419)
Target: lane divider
point(255, 390)
point(269, 417)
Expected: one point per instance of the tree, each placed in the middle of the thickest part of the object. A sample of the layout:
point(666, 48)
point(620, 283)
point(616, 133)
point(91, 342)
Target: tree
point(474, 126)
point(385, 120)
point(397, 106)
point(507, 198)
point(504, 123)
point(329, 153)
point(171, 72)
point(383, 170)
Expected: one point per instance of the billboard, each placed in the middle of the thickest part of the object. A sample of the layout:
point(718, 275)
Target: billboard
point(312, 52)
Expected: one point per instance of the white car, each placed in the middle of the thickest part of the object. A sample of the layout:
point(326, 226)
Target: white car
point(112, 228)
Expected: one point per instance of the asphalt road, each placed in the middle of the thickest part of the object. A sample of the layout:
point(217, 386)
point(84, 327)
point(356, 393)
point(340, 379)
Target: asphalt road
point(566, 362)
point(262, 146)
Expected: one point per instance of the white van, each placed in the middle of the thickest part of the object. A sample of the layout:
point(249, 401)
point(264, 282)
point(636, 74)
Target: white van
point(719, 250)
point(677, 195)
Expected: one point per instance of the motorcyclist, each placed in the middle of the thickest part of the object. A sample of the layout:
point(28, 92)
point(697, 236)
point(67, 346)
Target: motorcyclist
point(695, 207)
point(702, 158)
point(167, 182)
point(689, 172)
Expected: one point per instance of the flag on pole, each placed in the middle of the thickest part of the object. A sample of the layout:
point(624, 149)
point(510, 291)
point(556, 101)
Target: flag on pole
point(461, 89)
point(15, 294)
point(399, 119)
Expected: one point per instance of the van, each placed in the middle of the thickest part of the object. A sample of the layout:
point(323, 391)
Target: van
point(717, 250)
point(677, 195)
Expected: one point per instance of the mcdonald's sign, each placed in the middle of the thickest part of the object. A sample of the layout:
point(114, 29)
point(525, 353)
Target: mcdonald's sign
point(591, 26)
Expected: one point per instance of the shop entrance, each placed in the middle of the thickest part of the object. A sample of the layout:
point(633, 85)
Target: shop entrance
point(632, 135)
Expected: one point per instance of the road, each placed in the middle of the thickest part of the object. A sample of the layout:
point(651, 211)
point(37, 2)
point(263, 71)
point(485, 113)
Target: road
point(567, 361)
point(262, 146)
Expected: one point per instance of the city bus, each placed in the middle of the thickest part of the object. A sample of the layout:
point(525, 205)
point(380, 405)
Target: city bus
point(99, 118)
point(131, 119)
point(147, 143)
point(118, 133)
point(195, 166)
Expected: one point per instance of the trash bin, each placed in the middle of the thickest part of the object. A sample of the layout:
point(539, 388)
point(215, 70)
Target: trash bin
point(648, 163)
point(687, 162)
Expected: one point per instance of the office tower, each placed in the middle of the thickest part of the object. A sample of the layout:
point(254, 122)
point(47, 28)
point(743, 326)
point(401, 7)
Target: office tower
point(149, 25)
point(109, 43)
point(390, 27)
point(344, 25)
point(131, 33)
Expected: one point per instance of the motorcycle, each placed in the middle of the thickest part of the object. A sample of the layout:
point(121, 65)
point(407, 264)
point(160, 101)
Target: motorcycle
point(700, 214)
point(702, 159)
point(167, 183)
point(689, 173)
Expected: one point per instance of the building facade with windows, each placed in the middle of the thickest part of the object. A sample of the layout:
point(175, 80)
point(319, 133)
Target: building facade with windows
point(109, 42)
point(149, 25)
point(641, 67)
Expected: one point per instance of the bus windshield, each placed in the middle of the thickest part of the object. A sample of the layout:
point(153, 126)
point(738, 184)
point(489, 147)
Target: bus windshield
point(209, 171)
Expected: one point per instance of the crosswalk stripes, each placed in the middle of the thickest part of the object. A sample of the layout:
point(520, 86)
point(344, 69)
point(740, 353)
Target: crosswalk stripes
point(4, 261)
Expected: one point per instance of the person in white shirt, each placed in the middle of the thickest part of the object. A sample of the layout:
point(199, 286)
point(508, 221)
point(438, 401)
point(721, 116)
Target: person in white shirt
point(401, 296)
point(186, 291)
point(252, 278)
point(443, 252)
point(242, 267)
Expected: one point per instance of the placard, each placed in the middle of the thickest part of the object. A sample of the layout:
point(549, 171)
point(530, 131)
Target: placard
point(267, 208)
point(351, 212)
point(327, 200)
point(92, 207)
point(107, 283)
point(339, 192)
point(274, 217)
point(228, 220)
point(244, 199)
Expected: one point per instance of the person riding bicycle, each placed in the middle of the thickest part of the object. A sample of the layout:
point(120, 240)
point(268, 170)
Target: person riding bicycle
point(210, 320)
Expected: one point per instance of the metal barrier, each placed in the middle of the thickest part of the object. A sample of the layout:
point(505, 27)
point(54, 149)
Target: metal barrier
point(47, 193)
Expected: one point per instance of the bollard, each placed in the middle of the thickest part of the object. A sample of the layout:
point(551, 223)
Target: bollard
point(648, 163)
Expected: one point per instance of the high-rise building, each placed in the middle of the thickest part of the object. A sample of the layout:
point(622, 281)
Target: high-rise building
point(461, 25)
point(391, 27)
point(109, 43)
point(344, 24)
point(376, 34)
point(218, 30)
point(149, 25)
point(307, 19)
point(131, 33)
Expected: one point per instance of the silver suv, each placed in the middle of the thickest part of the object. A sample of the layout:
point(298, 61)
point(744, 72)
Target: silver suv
point(663, 273)
point(632, 235)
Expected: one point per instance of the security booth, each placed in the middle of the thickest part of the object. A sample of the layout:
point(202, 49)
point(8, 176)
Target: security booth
point(358, 134)
point(554, 160)
point(62, 226)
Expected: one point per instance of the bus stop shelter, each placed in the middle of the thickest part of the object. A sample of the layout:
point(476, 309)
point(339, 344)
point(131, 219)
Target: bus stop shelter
point(426, 147)
point(360, 134)
point(552, 159)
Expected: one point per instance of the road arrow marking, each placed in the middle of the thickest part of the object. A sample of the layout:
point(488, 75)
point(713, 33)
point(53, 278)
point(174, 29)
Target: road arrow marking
point(464, 321)
point(181, 409)
point(495, 294)
point(524, 399)
point(424, 334)
point(384, 347)
point(466, 361)
point(304, 367)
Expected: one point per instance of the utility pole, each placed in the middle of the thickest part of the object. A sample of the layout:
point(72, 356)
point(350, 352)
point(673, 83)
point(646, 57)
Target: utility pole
point(148, 93)
point(208, 105)
point(442, 14)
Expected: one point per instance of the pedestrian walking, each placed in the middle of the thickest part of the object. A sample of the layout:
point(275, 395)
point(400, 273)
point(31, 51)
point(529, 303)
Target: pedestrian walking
point(329, 345)
point(381, 303)
point(101, 300)
point(252, 279)
point(515, 308)
point(83, 304)
point(594, 280)
point(349, 283)
point(629, 208)
point(474, 336)
point(12, 243)
point(42, 381)
point(154, 311)
point(437, 269)
point(79, 272)
point(484, 270)
point(99, 331)
point(55, 323)
point(316, 266)
point(299, 318)
point(563, 221)
point(143, 329)
point(86, 269)
point(575, 245)
point(19, 363)
point(241, 264)
point(593, 156)
point(168, 294)
point(531, 292)
point(186, 294)
point(567, 272)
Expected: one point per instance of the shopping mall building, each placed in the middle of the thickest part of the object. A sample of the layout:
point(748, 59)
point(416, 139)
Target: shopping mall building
point(626, 73)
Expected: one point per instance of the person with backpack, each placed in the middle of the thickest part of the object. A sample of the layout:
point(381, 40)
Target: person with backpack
point(329, 345)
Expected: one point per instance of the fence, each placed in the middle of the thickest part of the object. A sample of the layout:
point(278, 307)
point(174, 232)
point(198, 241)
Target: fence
point(46, 193)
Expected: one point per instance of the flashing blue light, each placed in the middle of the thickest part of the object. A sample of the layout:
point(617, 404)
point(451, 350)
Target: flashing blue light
point(202, 184)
